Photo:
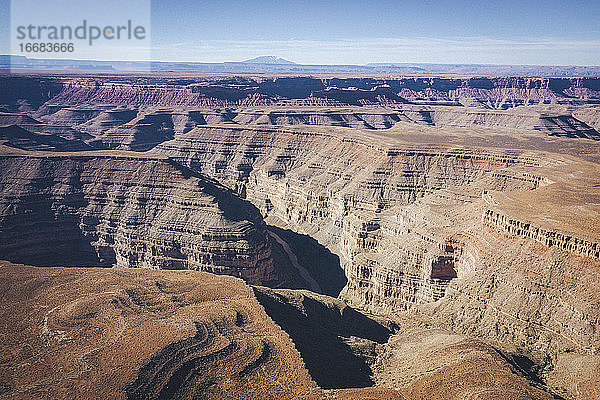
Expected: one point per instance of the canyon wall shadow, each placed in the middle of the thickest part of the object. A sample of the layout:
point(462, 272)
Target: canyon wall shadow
point(336, 342)
point(322, 265)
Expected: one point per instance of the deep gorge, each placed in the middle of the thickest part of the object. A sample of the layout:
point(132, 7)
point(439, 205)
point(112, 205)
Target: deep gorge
point(462, 206)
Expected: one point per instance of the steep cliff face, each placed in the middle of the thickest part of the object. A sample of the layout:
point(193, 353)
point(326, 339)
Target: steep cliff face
point(15, 136)
point(413, 228)
point(551, 238)
point(542, 300)
point(336, 342)
point(142, 132)
point(150, 126)
point(487, 92)
point(468, 235)
point(26, 93)
point(125, 113)
point(128, 334)
point(126, 211)
point(538, 298)
point(590, 115)
point(342, 347)
point(357, 197)
point(561, 123)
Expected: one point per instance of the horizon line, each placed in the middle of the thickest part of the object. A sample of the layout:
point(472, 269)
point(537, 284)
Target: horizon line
point(369, 64)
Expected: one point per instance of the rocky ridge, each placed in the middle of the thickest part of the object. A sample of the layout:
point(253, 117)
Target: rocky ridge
point(73, 333)
point(120, 112)
point(358, 211)
point(486, 92)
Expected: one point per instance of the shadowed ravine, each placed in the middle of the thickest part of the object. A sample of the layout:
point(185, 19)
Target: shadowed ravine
point(312, 284)
point(335, 341)
point(316, 260)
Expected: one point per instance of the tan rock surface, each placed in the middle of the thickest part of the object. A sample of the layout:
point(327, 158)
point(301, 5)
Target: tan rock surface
point(436, 364)
point(408, 222)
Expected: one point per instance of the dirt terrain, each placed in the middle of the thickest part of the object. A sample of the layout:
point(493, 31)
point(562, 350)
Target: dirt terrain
point(116, 333)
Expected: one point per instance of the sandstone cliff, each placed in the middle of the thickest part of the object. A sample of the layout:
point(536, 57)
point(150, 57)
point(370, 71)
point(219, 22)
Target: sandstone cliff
point(126, 210)
point(343, 348)
point(354, 196)
point(412, 227)
point(137, 114)
point(468, 203)
point(487, 92)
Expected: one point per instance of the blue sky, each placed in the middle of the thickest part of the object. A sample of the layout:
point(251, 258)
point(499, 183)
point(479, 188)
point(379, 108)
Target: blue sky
point(359, 32)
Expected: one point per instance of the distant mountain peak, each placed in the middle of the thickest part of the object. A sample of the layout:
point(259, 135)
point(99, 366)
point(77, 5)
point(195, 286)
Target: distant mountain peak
point(267, 60)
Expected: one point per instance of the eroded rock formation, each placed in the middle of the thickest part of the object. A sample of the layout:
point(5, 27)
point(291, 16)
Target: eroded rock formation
point(465, 204)
point(126, 210)
point(412, 227)
point(351, 193)
point(567, 241)
point(162, 334)
point(487, 92)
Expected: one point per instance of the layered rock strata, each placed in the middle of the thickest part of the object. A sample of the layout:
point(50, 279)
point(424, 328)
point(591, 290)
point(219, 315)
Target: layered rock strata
point(486, 92)
point(351, 194)
point(406, 222)
point(343, 348)
point(15, 136)
point(563, 240)
point(468, 236)
point(126, 113)
point(124, 210)
point(337, 343)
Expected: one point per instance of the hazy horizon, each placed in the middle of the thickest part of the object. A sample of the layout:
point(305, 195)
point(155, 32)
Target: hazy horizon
point(551, 33)
point(292, 62)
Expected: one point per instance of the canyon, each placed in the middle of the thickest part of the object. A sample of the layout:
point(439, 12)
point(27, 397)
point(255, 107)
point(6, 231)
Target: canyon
point(450, 226)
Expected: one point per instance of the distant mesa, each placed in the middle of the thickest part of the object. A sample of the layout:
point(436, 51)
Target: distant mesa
point(276, 64)
point(268, 60)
